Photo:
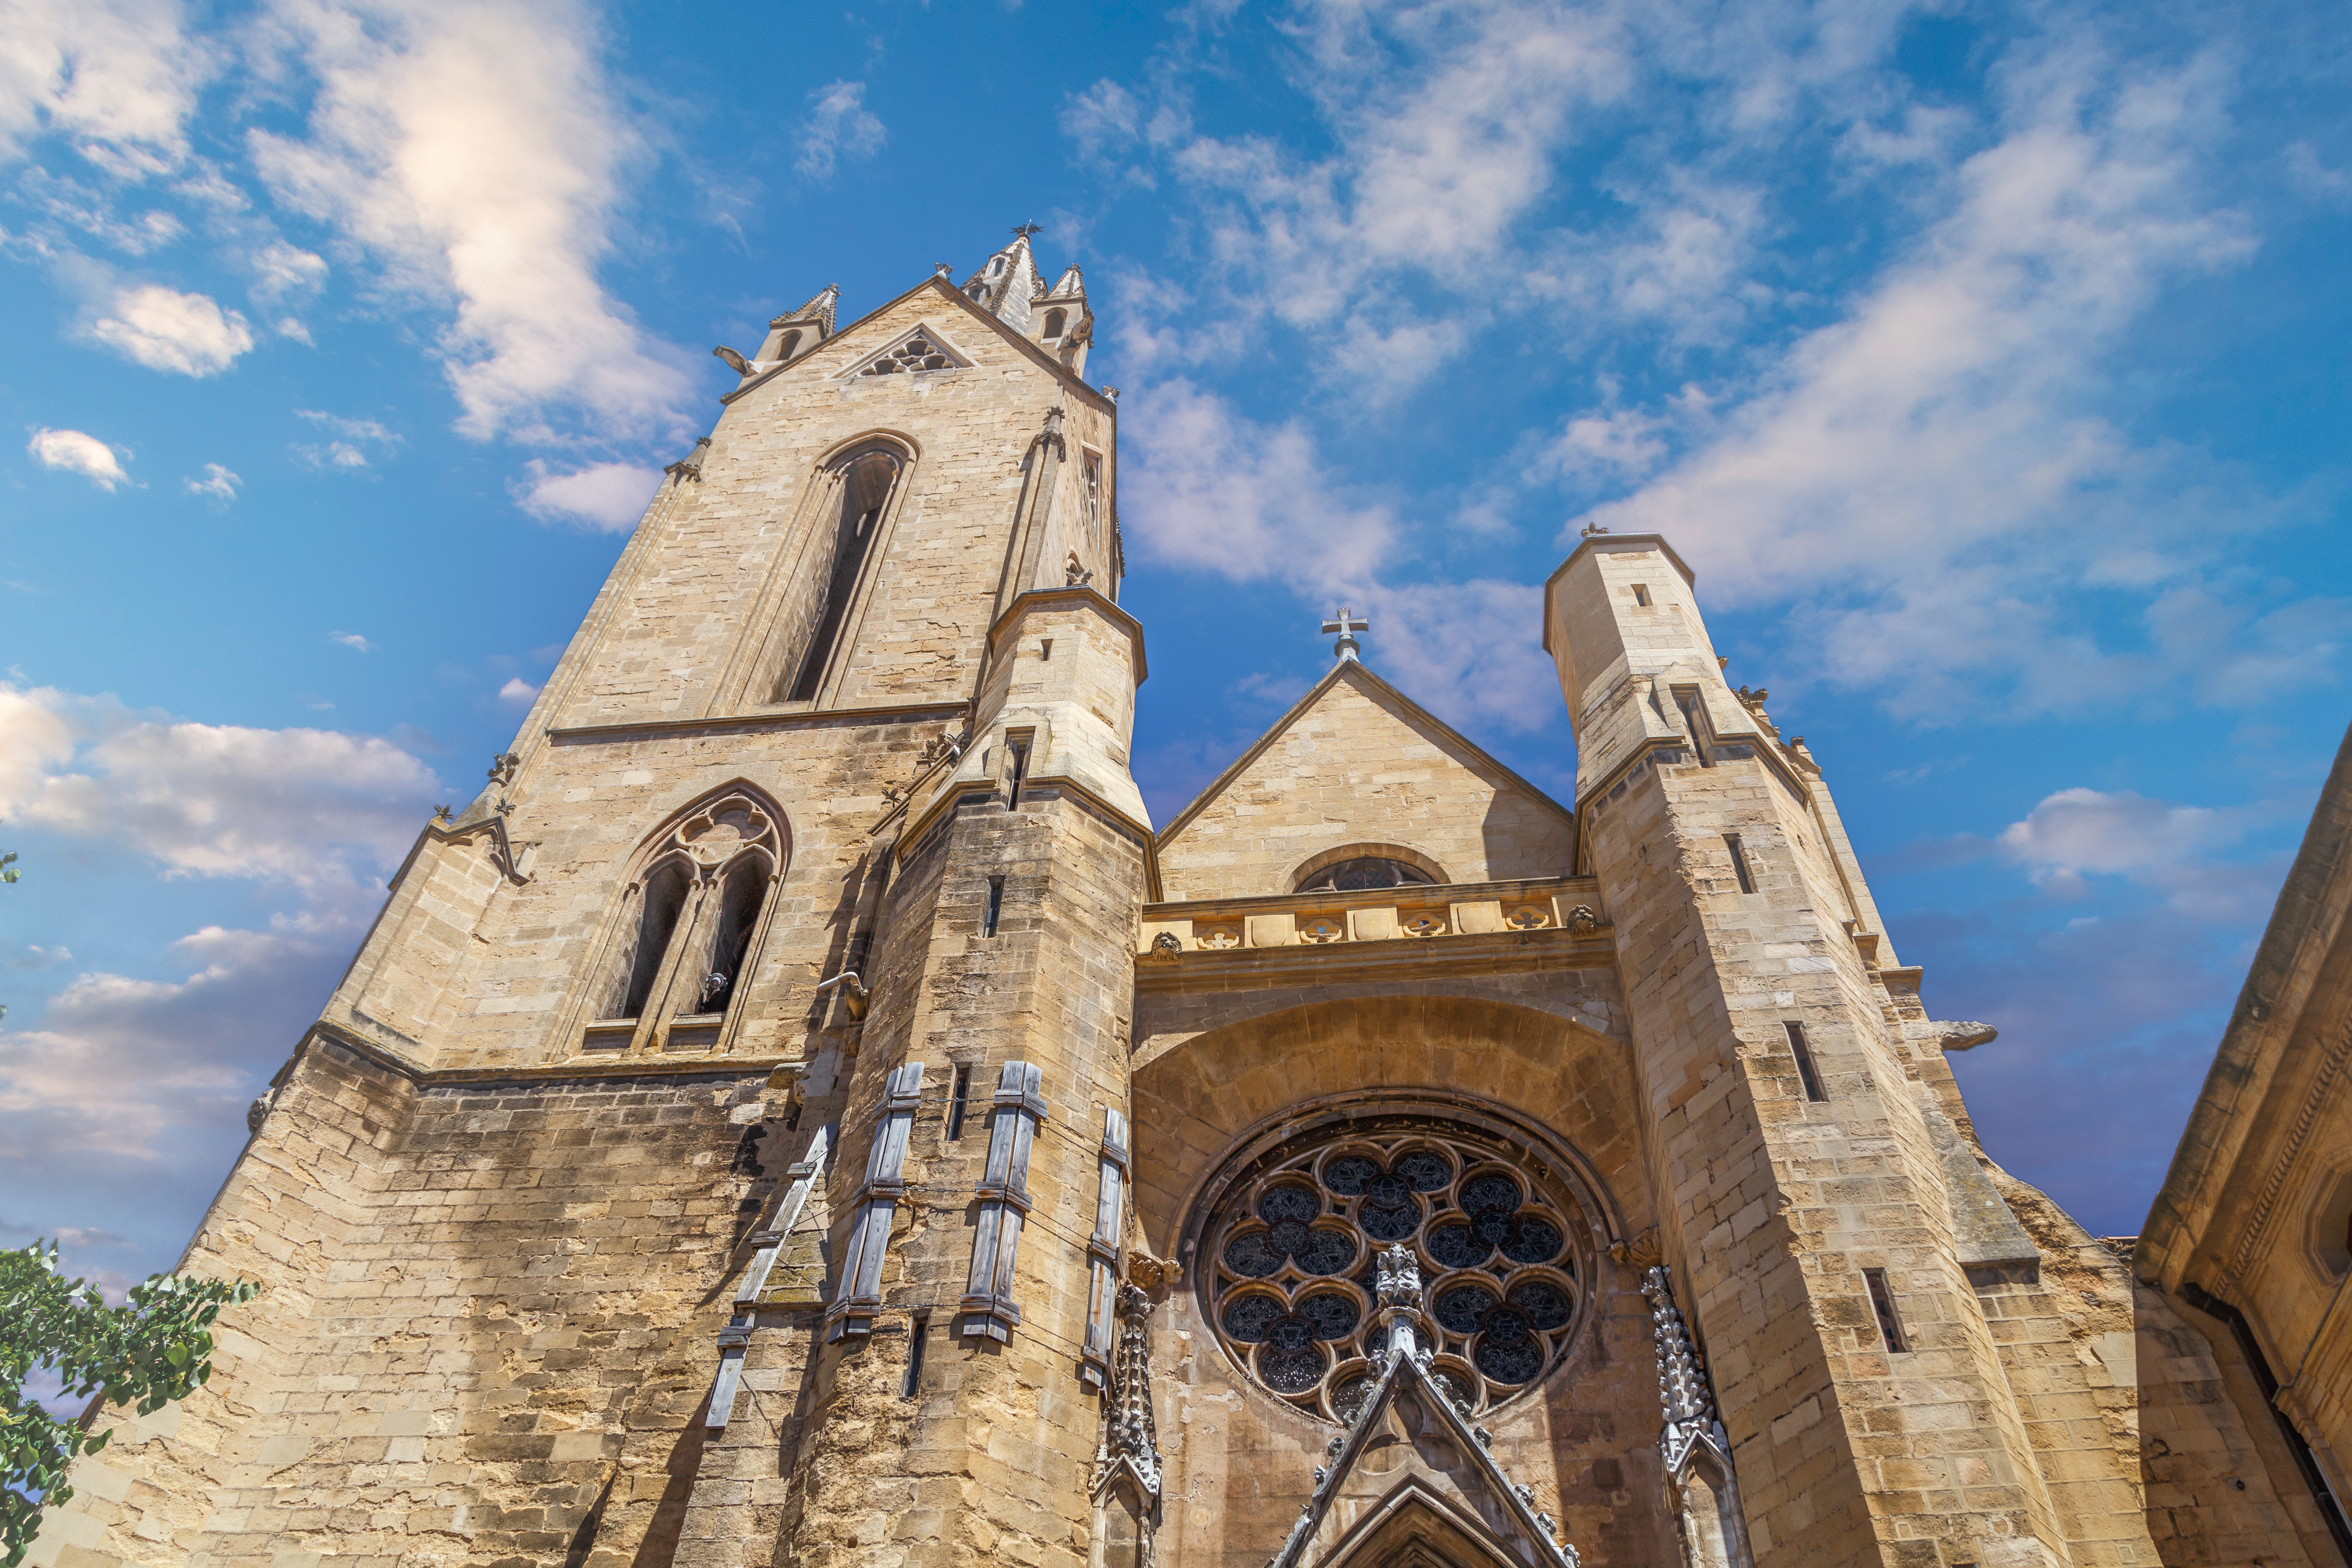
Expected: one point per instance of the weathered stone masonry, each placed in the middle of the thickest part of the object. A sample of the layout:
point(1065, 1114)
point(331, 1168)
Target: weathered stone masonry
point(803, 1112)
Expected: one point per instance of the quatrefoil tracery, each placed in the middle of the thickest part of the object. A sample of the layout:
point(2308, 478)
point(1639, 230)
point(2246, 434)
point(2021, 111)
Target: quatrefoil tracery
point(1292, 1291)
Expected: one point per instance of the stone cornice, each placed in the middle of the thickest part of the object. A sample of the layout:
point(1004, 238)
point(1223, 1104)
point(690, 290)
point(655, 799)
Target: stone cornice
point(746, 723)
point(573, 1072)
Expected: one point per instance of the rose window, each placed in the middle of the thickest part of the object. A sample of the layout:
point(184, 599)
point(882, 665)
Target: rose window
point(1294, 1243)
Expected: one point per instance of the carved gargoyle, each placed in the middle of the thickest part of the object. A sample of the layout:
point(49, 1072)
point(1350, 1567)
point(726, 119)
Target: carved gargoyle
point(734, 360)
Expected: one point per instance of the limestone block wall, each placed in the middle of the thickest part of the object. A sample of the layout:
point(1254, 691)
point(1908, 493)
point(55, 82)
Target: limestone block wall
point(487, 1314)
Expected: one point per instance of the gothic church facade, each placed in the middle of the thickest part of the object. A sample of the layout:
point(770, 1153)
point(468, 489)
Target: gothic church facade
point(805, 1112)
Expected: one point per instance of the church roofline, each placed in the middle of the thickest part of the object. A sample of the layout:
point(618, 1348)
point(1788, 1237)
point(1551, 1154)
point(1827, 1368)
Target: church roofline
point(947, 291)
point(1604, 542)
point(1256, 749)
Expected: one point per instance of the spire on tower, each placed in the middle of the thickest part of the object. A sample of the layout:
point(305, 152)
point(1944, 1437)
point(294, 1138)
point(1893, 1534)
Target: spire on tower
point(1007, 285)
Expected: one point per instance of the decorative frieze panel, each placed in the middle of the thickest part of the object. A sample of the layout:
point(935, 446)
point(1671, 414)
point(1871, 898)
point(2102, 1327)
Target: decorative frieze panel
point(859, 1299)
point(1324, 917)
point(988, 1306)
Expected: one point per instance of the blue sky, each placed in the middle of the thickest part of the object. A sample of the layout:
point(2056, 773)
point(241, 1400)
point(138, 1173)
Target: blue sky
point(1985, 359)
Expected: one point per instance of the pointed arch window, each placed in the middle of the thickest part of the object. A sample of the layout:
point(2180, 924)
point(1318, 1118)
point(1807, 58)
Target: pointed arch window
point(1055, 319)
point(689, 935)
point(863, 485)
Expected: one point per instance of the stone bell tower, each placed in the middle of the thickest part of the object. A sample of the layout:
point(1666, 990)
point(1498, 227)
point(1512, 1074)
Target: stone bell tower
point(1815, 1196)
point(716, 1153)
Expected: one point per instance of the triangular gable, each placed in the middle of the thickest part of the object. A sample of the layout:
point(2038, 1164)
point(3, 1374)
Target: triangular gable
point(1437, 1462)
point(940, 287)
point(919, 348)
point(1356, 762)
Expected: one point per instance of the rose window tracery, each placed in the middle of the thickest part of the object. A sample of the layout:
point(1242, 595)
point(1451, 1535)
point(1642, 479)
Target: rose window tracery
point(1294, 1242)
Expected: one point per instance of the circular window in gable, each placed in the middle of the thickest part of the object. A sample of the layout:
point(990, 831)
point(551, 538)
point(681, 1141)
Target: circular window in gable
point(1293, 1242)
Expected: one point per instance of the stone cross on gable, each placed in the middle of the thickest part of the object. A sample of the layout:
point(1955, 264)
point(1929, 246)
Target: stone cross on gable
point(1345, 623)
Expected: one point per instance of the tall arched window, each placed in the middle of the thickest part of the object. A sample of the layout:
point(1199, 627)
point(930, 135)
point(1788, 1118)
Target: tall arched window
point(661, 903)
point(791, 340)
point(688, 939)
point(1055, 321)
point(825, 589)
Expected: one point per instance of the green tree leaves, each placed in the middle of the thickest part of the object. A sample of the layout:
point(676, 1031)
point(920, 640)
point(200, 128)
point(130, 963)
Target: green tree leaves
point(153, 1350)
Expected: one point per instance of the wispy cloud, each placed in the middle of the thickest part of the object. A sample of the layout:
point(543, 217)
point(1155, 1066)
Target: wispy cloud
point(354, 440)
point(218, 485)
point(75, 452)
point(839, 129)
point(351, 640)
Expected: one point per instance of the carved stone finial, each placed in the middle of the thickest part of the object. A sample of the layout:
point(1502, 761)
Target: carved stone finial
point(1592, 529)
point(504, 766)
point(1110, 392)
point(1075, 574)
point(440, 817)
point(1130, 1438)
point(1023, 231)
point(941, 268)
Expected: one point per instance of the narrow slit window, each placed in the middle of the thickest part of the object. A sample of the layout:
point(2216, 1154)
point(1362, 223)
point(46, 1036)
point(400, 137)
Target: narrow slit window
point(865, 487)
point(917, 1332)
point(1882, 1302)
point(793, 1118)
point(1017, 765)
point(1803, 1051)
point(1642, 595)
point(1687, 701)
point(996, 905)
point(1740, 862)
point(1046, 648)
point(957, 1100)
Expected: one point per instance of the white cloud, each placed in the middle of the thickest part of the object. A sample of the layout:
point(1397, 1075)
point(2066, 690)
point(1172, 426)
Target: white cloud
point(35, 958)
point(218, 485)
point(306, 806)
point(73, 452)
point(351, 640)
point(2078, 834)
point(839, 127)
point(477, 151)
point(118, 77)
point(519, 693)
point(164, 329)
point(139, 1071)
point(608, 497)
point(1208, 489)
point(1929, 467)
